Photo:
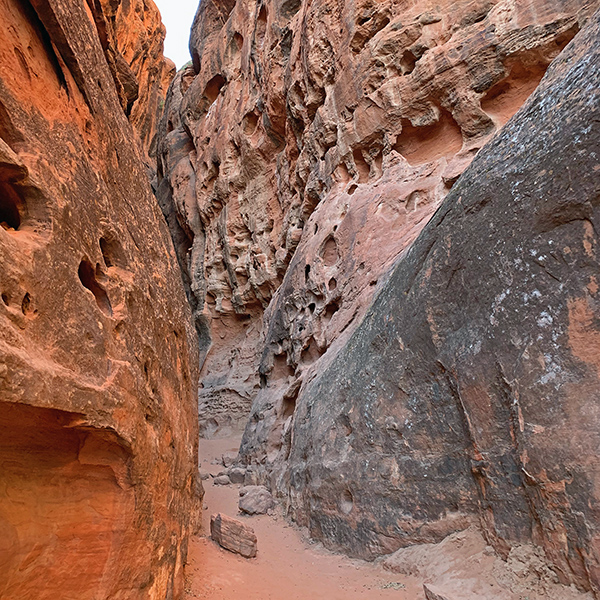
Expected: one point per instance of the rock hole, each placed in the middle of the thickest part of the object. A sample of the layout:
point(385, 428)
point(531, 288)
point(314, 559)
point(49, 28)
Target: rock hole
point(352, 189)
point(311, 307)
point(238, 40)
point(261, 25)
point(362, 167)
point(10, 205)
point(288, 406)
point(420, 145)
point(505, 98)
point(5, 299)
point(346, 502)
point(111, 251)
point(281, 369)
point(213, 88)
point(250, 123)
point(316, 227)
point(306, 272)
point(408, 62)
point(330, 310)
point(289, 8)
point(26, 304)
point(87, 276)
point(329, 252)
point(311, 353)
point(332, 284)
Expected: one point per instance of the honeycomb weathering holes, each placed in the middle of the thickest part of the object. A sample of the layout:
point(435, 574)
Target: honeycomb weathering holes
point(87, 276)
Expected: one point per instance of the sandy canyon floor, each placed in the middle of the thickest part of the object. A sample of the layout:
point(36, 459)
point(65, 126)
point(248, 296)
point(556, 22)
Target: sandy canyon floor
point(288, 566)
point(291, 566)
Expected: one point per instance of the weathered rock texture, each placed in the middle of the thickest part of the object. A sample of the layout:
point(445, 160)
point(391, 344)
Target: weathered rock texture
point(328, 133)
point(98, 357)
point(132, 35)
point(470, 391)
point(233, 535)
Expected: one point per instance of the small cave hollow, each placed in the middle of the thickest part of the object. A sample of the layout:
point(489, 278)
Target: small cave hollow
point(329, 252)
point(289, 8)
point(261, 25)
point(288, 405)
point(213, 88)
point(505, 98)
point(421, 145)
point(88, 278)
point(408, 62)
point(362, 167)
point(250, 123)
point(330, 310)
point(281, 369)
point(346, 502)
point(11, 207)
point(238, 41)
point(64, 487)
point(112, 253)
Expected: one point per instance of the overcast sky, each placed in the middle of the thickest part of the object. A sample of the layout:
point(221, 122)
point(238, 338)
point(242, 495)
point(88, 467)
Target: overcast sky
point(177, 15)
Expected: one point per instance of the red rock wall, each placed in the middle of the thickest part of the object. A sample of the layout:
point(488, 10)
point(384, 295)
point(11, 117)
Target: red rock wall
point(305, 151)
point(135, 37)
point(98, 357)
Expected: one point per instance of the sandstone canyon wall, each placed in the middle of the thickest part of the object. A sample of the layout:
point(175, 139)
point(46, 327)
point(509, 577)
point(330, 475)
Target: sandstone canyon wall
point(303, 152)
point(470, 391)
point(299, 159)
point(98, 356)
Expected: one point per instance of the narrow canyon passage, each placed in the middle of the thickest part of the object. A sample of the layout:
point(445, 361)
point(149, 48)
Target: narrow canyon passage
point(364, 235)
point(292, 566)
point(288, 566)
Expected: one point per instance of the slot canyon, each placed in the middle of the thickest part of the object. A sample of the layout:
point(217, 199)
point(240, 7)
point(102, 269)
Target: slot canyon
point(314, 316)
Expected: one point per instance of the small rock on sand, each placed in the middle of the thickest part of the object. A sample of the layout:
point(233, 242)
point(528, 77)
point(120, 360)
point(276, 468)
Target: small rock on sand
point(222, 480)
point(233, 535)
point(255, 500)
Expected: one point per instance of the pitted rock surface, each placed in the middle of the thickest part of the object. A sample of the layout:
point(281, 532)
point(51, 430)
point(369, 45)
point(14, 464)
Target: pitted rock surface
point(304, 151)
point(469, 392)
point(98, 354)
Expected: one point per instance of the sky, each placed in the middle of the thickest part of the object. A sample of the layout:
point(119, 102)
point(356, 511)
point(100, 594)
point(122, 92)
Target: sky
point(177, 15)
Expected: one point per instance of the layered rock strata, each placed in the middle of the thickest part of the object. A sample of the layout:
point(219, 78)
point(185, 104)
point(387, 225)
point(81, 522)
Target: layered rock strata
point(303, 152)
point(470, 391)
point(98, 357)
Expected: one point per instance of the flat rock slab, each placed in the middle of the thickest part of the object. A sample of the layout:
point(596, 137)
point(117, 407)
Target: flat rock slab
point(255, 500)
point(233, 535)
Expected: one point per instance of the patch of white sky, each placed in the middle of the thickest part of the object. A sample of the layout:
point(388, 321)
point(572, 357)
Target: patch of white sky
point(177, 15)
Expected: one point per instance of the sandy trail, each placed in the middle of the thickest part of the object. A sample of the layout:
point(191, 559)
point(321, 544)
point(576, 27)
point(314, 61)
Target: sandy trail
point(287, 567)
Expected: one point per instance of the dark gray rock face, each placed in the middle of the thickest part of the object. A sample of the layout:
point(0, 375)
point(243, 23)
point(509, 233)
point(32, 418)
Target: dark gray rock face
point(470, 392)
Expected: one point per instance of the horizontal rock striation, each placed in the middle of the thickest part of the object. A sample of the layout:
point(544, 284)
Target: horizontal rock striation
point(98, 354)
point(304, 151)
point(470, 391)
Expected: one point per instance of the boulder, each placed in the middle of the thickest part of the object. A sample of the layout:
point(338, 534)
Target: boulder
point(221, 480)
point(255, 500)
point(233, 535)
point(237, 475)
